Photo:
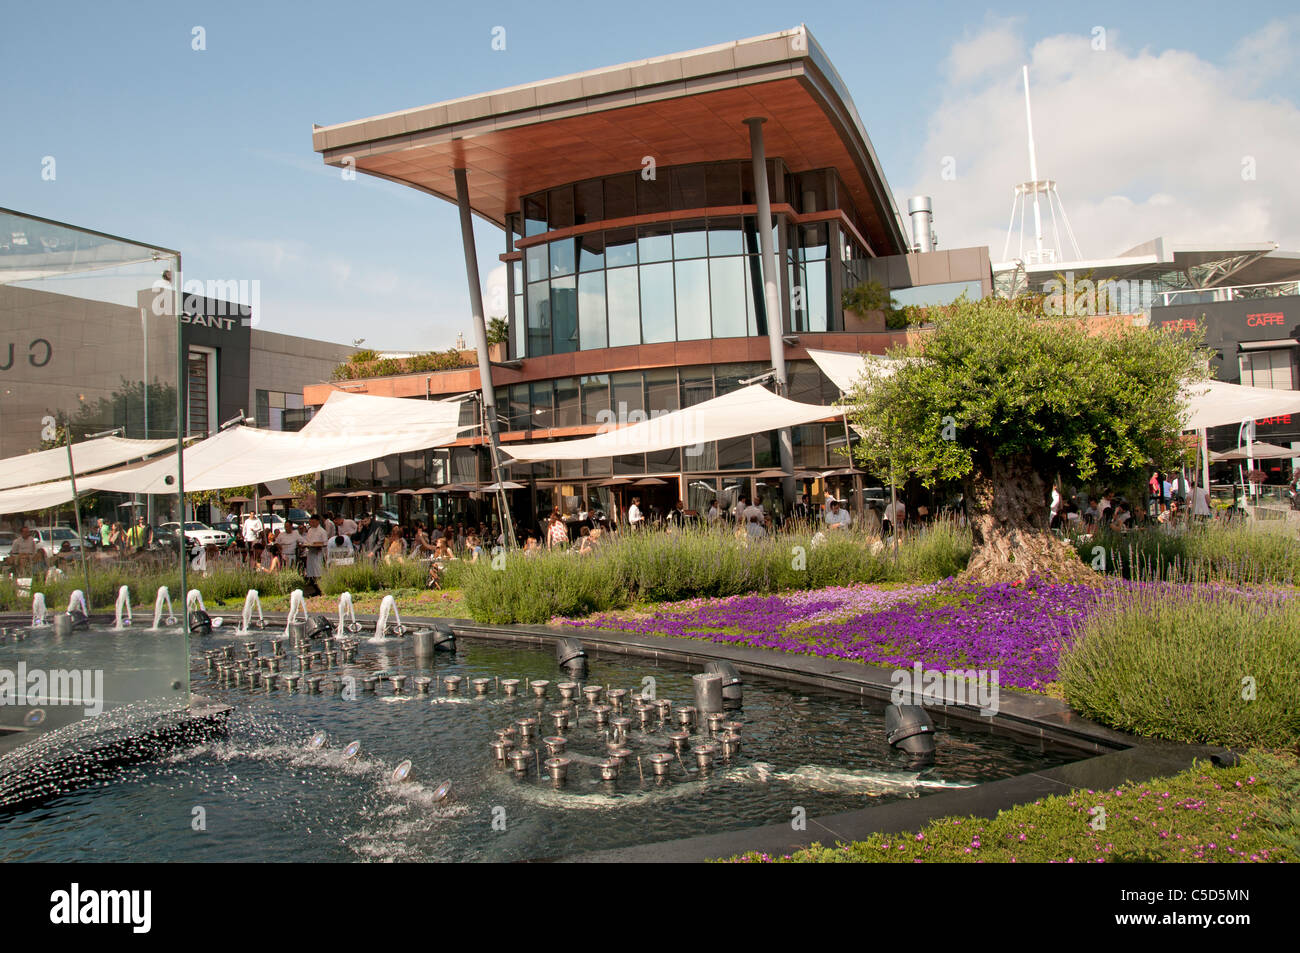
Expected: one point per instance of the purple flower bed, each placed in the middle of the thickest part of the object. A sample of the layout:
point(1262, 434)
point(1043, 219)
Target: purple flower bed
point(1017, 629)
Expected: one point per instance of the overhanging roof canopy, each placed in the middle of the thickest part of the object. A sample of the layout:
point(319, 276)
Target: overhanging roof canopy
point(1256, 451)
point(683, 108)
point(751, 409)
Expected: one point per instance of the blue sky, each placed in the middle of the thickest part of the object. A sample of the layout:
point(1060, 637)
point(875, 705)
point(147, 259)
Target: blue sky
point(210, 151)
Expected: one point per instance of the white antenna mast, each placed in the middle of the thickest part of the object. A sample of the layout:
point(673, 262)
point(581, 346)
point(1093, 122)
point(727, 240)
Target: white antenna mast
point(1033, 169)
point(1038, 255)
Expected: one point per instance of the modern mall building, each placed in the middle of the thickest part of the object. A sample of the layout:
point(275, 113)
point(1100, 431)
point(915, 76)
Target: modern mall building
point(671, 228)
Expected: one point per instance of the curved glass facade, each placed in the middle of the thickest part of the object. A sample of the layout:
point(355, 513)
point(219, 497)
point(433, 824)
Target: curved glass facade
point(672, 280)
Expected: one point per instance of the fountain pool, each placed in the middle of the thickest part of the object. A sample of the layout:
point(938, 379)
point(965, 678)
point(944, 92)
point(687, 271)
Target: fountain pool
point(270, 790)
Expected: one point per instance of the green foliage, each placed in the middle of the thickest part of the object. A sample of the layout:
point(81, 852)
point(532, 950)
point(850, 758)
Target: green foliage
point(1211, 666)
point(363, 356)
point(222, 582)
point(374, 576)
point(1237, 553)
point(1201, 814)
point(374, 366)
point(989, 382)
point(498, 331)
point(656, 567)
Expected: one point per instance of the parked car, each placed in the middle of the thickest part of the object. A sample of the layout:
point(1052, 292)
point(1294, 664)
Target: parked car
point(230, 529)
point(298, 516)
point(200, 533)
point(272, 521)
point(6, 541)
point(50, 541)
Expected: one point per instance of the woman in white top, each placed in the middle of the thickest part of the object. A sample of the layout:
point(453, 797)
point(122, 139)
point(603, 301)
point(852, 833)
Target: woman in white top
point(634, 517)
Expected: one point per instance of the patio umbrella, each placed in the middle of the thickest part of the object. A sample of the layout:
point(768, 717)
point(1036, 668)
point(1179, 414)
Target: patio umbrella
point(650, 481)
point(616, 481)
point(360, 493)
point(505, 485)
point(239, 499)
point(771, 475)
point(335, 495)
point(425, 491)
point(405, 492)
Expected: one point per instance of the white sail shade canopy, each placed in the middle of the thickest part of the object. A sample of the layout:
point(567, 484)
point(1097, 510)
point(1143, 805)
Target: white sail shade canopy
point(350, 428)
point(752, 409)
point(87, 456)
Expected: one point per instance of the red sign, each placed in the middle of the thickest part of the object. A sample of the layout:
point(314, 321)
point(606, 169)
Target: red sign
point(1284, 419)
point(1178, 324)
point(1264, 320)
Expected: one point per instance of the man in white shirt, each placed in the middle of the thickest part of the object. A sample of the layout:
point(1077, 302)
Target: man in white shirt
point(288, 542)
point(347, 526)
point(714, 512)
point(23, 550)
point(837, 518)
point(314, 543)
point(252, 529)
point(896, 513)
point(634, 517)
point(338, 547)
point(751, 512)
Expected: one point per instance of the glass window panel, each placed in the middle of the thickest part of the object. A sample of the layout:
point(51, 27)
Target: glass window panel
point(701, 456)
point(623, 300)
point(697, 385)
point(925, 296)
point(517, 267)
point(767, 453)
point(661, 389)
point(599, 467)
point(735, 454)
point(700, 494)
point(568, 412)
point(561, 257)
point(620, 247)
point(625, 466)
point(539, 318)
point(360, 474)
point(747, 194)
point(561, 210)
point(595, 398)
point(568, 468)
point(588, 202)
point(722, 183)
point(690, 239)
point(652, 195)
point(276, 398)
point(755, 303)
point(414, 470)
point(688, 187)
point(725, 237)
point(517, 327)
point(813, 241)
point(654, 243)
point(564, 314)
point(692, 295)
point(658, 316)
point(620, 196)
point(816, 292)
point(293, 401)
point(727, 295)
point(626, 398)
point(535, 257)
point(664, 461)
point(520, 414)
point(591, 311)
point(543, 415)
point(591, 251)
point(534, 214)
point(810, 445)
point(729, 376)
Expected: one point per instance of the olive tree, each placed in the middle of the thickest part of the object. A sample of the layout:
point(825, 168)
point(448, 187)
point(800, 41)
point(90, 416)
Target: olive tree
point(1003, 402)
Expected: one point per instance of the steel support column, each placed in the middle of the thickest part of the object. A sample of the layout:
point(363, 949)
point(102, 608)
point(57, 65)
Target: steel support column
point(771, 296)
point(481, 343)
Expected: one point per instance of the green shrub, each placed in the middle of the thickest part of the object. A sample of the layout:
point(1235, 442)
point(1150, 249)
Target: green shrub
point(1177, 666)
point(374, 576)
point(1240, 553)
point(697, 563)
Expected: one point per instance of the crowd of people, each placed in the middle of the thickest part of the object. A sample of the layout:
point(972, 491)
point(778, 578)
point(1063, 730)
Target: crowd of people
point(1172, 501)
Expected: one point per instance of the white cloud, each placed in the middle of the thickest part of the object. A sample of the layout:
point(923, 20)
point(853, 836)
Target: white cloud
point(1141, 144)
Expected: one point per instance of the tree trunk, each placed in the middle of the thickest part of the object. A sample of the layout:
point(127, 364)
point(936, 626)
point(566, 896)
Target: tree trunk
point(1007, 503)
